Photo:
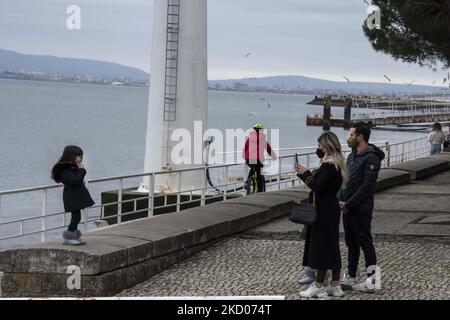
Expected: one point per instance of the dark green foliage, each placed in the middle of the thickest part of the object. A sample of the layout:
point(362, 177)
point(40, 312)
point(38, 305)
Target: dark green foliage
point(415, 31)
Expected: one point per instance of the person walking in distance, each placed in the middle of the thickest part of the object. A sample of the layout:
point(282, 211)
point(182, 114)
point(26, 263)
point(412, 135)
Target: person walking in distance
point(436, 138)
point(357, 202)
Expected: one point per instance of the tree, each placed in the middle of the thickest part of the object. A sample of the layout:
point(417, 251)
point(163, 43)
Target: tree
point(415, 31)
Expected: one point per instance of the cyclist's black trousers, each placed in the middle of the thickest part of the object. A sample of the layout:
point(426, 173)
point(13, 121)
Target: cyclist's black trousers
point(256, 168)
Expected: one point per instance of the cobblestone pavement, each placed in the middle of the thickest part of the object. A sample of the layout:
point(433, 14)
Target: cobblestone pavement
point(243, 266)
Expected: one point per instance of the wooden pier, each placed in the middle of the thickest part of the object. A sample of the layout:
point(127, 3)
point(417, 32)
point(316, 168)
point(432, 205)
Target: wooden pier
point(392, 120)
point(428, 112)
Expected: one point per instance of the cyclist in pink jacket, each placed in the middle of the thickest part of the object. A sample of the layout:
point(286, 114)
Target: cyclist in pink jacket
point(253, 154)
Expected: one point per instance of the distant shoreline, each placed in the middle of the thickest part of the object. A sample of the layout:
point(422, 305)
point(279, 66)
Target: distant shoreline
point(144, 86)
point(318, 100)
point(94, 82)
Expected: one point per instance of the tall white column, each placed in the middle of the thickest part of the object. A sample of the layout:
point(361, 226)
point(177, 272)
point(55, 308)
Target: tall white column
point(192, 83)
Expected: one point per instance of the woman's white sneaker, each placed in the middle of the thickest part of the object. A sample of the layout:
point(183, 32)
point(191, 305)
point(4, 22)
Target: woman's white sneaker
point(74, 242)
point(314, 292)
point(335, 291)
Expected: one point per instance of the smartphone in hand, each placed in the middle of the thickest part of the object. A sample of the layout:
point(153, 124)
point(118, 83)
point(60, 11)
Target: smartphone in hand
point(296, 158)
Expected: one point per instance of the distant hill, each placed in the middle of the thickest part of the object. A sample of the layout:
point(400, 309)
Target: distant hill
point(320, 86)
point(14, 61)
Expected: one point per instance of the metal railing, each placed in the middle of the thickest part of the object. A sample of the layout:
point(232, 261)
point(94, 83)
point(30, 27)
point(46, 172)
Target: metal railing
point(229, 177)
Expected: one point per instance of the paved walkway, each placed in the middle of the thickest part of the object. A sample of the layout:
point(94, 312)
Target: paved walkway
point(412, 232)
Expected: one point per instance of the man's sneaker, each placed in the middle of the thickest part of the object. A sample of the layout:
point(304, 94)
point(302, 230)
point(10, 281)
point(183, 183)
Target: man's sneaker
point(334, 291)
point(363, 287)
point(74, 242)
point(347, 282)
point(314, 292)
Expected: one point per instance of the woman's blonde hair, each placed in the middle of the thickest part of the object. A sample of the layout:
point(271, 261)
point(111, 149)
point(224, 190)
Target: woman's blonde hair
point(333, 153)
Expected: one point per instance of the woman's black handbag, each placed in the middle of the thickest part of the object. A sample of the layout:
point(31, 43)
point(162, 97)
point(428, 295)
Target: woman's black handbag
point(303, 213)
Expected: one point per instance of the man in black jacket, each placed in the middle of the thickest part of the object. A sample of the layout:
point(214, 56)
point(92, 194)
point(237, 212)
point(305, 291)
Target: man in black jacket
point(357, 204)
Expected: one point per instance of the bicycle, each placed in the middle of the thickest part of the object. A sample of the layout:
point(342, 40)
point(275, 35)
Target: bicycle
point(252, 185)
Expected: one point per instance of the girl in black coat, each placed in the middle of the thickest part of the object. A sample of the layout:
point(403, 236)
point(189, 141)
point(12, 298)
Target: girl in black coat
point(70, 171)
point(322, 250)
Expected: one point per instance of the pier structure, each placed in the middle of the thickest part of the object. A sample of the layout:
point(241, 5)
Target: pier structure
point(381, 112)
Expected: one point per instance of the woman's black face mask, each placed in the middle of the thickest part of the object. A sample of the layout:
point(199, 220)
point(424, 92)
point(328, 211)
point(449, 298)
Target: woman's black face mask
point(320, 153)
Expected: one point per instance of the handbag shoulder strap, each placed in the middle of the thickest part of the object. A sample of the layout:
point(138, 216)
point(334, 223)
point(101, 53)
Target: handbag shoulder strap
point(312, 198)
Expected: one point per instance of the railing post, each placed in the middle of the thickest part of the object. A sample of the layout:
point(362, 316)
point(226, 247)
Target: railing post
point(85, 213)
point(294, 175)
point(388, 151)
point(410, 152)
point(415, 149)
point(225, 193)
point(119, 204)
point(1, 277)
point(43, 215)
point(403, 152)
point(203, 199)
point(151, 193)
point(279, 173)
point(179, 191)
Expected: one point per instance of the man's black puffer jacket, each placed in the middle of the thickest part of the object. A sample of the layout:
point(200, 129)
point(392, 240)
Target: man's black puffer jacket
point(363, 174)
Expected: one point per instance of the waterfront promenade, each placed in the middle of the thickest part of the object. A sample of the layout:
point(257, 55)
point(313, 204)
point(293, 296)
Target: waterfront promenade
point(411, 226)
point(247, 246)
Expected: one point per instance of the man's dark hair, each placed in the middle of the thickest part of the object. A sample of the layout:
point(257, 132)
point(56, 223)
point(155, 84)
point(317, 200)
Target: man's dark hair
point(363, 129)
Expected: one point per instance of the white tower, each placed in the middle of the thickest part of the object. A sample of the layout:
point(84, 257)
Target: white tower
point(178, 86)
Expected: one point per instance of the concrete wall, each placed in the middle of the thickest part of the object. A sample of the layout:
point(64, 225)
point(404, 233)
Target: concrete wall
point(121, 256)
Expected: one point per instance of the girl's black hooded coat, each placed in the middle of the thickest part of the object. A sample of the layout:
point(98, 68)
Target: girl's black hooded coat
point(75, 195)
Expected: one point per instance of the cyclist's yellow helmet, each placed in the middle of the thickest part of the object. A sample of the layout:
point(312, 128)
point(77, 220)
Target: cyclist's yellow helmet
point(258, 126)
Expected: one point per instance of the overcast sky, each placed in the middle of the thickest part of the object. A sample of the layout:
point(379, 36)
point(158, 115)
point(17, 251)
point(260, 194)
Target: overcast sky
point(318, 38)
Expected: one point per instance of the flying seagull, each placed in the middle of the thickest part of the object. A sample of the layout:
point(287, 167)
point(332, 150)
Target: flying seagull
point(387, 77)
point(446, 79)
point(247, 55)
point(267, 103)
point(348, 80)
point(410, 83)
point(252, 114)
point(366, 2)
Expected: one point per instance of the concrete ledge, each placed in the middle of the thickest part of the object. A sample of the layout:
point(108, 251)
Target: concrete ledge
point(443, 156)
point(388, 178)
point(425, 167)
point(121, 256)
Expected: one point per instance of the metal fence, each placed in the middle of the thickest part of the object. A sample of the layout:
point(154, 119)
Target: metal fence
point(228, 180)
